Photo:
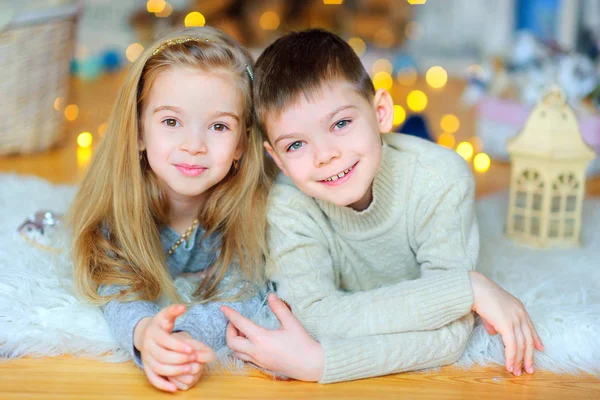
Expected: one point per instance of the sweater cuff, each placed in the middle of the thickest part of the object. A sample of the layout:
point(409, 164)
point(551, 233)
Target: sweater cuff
point(443, 298)
point(135, 353)
point(205, 323)
point(347, 359)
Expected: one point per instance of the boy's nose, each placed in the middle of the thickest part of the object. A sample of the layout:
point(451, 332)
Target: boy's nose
point(325, 154)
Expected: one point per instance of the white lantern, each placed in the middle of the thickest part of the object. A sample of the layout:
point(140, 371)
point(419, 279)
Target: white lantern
point(547, 184)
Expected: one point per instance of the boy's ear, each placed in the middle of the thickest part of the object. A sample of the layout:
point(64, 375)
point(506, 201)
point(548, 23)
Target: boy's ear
point(274, 156)
point(384, 107)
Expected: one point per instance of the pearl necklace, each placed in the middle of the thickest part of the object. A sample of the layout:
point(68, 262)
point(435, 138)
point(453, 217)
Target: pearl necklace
point(183, 237)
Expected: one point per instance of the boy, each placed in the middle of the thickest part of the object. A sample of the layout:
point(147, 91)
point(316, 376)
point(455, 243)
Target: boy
point(372, 238)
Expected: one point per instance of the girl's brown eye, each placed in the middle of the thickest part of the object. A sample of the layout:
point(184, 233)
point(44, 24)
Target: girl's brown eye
point(170, 122)
point(219, 127)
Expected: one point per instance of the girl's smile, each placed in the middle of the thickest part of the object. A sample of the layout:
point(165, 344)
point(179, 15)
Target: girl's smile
point(190, 170)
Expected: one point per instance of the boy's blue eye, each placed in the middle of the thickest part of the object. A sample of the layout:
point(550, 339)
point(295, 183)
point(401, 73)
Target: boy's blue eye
point(341, 124)
point(294, 146)
point(171, 122)
point(218, 127)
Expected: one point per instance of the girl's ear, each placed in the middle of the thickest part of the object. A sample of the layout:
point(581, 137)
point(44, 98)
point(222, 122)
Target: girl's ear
point(140, 132)
point(384, 107)
point(274, 156)
point(141, 144)
point(239, 150)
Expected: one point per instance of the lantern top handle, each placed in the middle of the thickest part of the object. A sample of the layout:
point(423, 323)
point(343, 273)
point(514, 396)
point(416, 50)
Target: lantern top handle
point(554, 96)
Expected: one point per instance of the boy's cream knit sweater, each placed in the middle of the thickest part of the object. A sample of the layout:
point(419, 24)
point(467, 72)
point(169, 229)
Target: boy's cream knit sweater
point(387, 289)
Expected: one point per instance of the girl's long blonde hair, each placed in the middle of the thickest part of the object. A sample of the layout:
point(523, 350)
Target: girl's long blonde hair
point(121, 195)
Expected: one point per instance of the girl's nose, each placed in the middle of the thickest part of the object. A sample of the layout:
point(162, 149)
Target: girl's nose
point(194, 143)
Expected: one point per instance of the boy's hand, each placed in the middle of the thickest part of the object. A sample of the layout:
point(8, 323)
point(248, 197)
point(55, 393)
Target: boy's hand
point(163, 353)
point(204, 355)
point(503, 313)
point(289, 350)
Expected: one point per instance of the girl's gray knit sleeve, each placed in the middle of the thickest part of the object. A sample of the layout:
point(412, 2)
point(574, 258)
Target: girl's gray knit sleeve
point(122, 318)
point(207, 324)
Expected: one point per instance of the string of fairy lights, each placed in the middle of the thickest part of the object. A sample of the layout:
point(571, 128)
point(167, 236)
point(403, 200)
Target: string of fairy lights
point(416, 100)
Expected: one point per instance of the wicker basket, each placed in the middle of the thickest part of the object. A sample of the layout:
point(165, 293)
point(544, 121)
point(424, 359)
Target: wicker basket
point(35, 52)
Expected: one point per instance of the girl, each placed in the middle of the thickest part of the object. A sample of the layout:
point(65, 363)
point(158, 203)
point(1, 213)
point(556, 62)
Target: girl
point(178, 185)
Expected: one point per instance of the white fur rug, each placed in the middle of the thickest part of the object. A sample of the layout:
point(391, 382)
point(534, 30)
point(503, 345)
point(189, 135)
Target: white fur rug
point(40, 316)
point(560, 290)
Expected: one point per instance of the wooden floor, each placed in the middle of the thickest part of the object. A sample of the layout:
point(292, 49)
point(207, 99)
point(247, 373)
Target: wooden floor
point(83, 379)
point(70, 378)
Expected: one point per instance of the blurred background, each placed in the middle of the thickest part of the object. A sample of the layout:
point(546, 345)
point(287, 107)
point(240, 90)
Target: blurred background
point(462, 73)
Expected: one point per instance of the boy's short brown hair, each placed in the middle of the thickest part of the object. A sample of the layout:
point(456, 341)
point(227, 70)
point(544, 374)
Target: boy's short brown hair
point(298, 64)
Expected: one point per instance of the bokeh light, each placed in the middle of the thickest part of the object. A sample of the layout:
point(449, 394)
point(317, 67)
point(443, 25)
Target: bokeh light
point(384, 38)
point(481, 162)
point(447, 140)
point(269, 21)
point(71, 112)
point(358, 45)
point(84, 139)
point(413, 30)
point(477, 143)
point(333, 1)
point(399, 115)
point(436, 77)
point(102, 129)
point(58, 103)
point(450, 123)
point(156, 6)
point(416, 100)
point(166, 12)
point(465, 149)
point(194, 19)
point(133, 51)
point(383, 80)
point(382, 64)
point(84, 155)
point(407, 76)
point(417, 2)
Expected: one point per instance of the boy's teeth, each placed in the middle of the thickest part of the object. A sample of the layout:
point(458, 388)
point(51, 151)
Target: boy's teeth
point(338, 176)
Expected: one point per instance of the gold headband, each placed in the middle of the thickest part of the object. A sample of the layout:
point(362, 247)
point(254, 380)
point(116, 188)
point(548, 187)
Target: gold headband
point(193, 39)
point(178, 41)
